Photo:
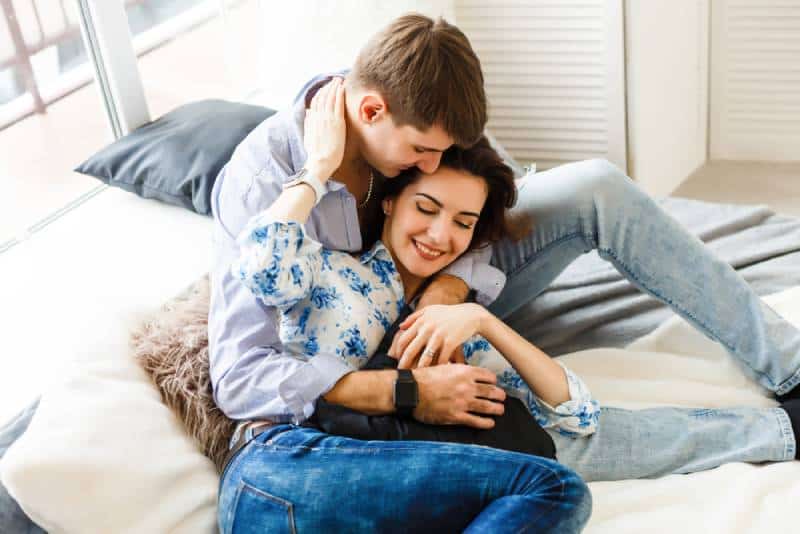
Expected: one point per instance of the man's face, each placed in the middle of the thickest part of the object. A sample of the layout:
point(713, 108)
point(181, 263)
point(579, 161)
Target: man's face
point(391, 149)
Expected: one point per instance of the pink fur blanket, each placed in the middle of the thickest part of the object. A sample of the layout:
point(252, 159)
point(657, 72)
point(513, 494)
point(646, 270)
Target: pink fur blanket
point(172, 347)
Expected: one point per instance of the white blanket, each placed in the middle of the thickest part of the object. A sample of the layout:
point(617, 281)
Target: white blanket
point(675, 365)
point(103, 454)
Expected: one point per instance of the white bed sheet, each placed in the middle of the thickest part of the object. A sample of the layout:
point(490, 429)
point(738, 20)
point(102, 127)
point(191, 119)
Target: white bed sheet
point(78, 293)
point(675, 365)
point(79, 279)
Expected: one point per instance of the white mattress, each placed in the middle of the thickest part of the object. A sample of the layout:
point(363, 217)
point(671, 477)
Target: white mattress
point(67, 286)
point(70, 294)
point(675, 365)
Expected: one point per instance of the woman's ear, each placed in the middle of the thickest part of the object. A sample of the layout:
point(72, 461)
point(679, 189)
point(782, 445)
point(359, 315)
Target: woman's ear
point(387, 206)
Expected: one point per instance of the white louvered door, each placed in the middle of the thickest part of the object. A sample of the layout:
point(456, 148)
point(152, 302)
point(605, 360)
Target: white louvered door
point(755, 80)
point(554, 76)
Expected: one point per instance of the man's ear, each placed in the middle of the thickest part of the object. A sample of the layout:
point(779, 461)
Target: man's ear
point(372, 108)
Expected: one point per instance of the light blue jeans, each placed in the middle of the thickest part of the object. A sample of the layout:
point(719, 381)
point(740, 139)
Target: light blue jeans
point(592, 205)
point(296, 479)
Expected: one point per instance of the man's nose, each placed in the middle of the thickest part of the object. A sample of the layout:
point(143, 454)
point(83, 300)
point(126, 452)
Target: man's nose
point(430, 162)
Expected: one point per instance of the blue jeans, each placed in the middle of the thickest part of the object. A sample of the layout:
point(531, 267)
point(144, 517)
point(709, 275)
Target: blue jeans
point(655, 442)
point(297, 479)
point(590, 205)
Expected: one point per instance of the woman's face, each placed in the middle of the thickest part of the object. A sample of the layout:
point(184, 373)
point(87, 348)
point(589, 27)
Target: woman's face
point(431, 222)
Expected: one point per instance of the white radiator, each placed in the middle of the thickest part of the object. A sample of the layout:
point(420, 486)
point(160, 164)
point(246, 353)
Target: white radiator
point(755, 80)
point(554, 76)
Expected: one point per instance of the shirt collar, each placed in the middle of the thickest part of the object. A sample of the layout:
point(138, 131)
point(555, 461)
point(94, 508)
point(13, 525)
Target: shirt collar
point(378, 250)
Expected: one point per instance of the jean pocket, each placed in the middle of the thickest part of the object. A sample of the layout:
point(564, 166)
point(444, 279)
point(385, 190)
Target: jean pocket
point(255, 510)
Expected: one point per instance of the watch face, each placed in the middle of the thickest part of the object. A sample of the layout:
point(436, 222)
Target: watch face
point(405, 394)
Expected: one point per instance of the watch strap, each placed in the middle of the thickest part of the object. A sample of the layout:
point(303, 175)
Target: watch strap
point(406, 394)
point(305, 177)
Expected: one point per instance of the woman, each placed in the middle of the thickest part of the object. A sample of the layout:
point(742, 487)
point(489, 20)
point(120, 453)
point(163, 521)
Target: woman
point(416, 208)
point(333, 302)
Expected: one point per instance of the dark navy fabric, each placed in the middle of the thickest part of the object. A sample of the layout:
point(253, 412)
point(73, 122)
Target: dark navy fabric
point(176, 158)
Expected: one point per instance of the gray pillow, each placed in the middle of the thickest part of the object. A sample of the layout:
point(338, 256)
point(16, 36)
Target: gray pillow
point(177, 157)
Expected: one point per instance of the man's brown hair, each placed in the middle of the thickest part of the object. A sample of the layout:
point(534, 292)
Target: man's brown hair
point(428, 74)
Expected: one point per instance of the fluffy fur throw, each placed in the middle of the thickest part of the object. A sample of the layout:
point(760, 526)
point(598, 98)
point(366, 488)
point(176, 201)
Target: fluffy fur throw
point(172, 347)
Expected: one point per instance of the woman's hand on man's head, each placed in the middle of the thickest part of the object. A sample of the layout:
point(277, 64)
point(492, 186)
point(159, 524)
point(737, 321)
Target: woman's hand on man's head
point(325, 130)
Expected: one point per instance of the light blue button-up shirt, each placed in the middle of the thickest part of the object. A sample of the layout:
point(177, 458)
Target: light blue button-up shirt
point(253, 375)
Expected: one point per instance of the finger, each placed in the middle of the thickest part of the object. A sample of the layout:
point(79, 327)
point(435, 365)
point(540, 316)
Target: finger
point(319, 99)
point(315, 101)
point(405, 337)
point(485, 376)
point(489, 392)
point(408, 321)
point(431, 353)
point(458, 355)
point(340, 99)
point(413, 350)
point(332, 92)
point(475, 421)
point(392, 352)
point(486, 407)
point(447, 354)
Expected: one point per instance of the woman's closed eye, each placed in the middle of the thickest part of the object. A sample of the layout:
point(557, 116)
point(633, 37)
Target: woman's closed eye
point(465, 226)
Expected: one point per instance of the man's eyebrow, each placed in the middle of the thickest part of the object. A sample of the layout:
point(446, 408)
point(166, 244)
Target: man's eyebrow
point(429, 149)
point(435, 201)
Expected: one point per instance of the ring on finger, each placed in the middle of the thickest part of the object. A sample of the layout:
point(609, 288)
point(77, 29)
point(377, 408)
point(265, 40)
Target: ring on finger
point(428, 353)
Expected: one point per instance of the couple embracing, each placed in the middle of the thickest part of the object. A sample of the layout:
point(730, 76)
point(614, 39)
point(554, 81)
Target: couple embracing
point(370, 243)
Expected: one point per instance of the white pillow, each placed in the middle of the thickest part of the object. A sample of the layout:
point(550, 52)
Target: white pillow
point(104, 454)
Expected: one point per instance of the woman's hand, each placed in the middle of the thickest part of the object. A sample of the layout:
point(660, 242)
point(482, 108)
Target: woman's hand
point(431, 335)
point(325, 130)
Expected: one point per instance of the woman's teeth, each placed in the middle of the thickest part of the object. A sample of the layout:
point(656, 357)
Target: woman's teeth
point(427, 252)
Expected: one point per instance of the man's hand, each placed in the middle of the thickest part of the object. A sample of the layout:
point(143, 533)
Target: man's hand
point(443, 289)
point(458, 395)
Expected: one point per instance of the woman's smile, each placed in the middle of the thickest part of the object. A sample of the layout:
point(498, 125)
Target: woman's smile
point(426, 252)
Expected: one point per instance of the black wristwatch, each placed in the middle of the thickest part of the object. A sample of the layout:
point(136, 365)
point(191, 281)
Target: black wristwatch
point(406, 394)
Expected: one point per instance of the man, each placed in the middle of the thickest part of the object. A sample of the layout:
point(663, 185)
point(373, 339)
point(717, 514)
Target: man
point(406, 101)
point(399, 112)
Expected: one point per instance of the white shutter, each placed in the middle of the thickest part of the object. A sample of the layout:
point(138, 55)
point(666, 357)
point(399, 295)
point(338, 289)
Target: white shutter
point(554, 75)
point(755, 80)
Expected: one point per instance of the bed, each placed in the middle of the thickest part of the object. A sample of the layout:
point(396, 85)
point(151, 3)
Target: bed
point(104, 454)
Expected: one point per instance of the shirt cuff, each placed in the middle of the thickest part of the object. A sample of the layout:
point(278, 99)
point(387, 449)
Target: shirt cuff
point(579, 415)
point(301, 389)
point(474, 269)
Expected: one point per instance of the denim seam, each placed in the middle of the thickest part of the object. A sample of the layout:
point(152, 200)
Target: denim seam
point(243, 484)
point(231, 509)
point(709, 331)
point(562, 494)
point(525, 264)
point(786, 385)
point(789, 444)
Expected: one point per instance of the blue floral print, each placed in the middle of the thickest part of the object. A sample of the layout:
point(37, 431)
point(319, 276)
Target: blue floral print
point(332, 302)
point(324, 298)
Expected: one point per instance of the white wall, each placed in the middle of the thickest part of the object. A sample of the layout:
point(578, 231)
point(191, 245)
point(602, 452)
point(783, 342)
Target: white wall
point(303, 38)
point(666, 45)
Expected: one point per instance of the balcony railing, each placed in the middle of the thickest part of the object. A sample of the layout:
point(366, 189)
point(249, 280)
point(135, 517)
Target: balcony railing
point(33, 29)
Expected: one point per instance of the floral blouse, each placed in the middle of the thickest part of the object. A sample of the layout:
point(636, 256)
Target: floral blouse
point(336, 303)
